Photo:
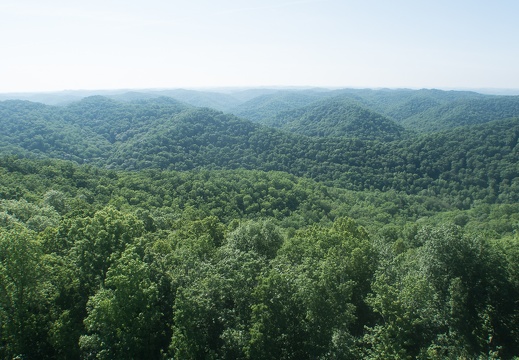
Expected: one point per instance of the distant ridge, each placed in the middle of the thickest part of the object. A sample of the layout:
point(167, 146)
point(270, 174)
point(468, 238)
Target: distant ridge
point(166, 134)
point(337, 117)
point(423, 110)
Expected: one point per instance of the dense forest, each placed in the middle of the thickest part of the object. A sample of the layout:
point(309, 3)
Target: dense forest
point(260, 224)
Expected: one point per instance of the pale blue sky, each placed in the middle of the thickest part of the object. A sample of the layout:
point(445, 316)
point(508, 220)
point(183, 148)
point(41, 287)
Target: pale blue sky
point(107, 44)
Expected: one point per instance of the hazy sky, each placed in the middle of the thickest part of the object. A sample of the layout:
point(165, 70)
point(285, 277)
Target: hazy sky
point(51, 45)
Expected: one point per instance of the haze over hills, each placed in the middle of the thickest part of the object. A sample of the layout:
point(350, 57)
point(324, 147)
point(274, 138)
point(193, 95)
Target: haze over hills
point(418, 110)
point(193, 209)
point(265, 106)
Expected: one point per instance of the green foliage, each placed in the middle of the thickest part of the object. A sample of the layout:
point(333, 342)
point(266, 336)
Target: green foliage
point(262, 238)
point(471, 163)
point(212, 312)
point(123, 317)
point(352, 248)
point(262, 108)
point(337, 117)
point(445, 299)
point(99, 241)
point(312, 300)
point(24, 295)
point(464, 112)
point(35, 217)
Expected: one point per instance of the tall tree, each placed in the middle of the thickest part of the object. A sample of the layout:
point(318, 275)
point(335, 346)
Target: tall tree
point(22, 301)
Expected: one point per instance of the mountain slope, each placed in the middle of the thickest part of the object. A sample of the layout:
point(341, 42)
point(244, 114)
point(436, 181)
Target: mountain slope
point(266, 106)
point(118, 121)
point(402, 103)
point(214, 100)
point(42, 131)
point(406, 107)
point(464, 112)
point(481, 158)
point(337, 117)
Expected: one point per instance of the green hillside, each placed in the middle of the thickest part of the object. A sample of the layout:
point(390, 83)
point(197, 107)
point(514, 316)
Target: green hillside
point(389, 101)
point(337, 117)
point(430, 110)
point(211, 99)
point(266, 106)
point(158, 262)
point(141, 226)
point(464, 112)
point(39, 130)
point(164, 134)
point(424, 110)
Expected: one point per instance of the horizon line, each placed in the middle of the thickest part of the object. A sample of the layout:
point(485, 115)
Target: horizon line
point(274, 87)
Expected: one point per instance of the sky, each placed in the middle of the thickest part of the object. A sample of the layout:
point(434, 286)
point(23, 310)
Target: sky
point(56, 45)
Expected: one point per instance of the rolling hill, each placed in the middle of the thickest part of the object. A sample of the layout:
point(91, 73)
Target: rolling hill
point(263, 107)
point(463, 112)
point(425, 110)
point(144, 225)
point(337, 117)
point(165, 134)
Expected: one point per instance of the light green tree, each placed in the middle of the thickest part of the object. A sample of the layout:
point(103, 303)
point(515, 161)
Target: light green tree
point(22, 301)
point(123, 316)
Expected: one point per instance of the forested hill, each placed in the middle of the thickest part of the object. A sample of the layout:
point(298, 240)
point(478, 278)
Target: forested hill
point(118, 121)
point(165, 134)
point(394, 104)
point(425, 110)
point(145, 263)
point(40, 130)
point(263, 107)
point(141, 226)
point(400, 104)
point(214, 100)
point(337, 117)
point(463, 112)
point(82, 131)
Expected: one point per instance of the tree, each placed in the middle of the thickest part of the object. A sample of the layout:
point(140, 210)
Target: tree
point(212, 310)
point(99, 241)
point(123, 316)
point(261, 237)
point(447, 298)
point(307, 303)
point(22, 299)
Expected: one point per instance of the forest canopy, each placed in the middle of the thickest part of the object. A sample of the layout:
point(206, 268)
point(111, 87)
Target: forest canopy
point(304, 224)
